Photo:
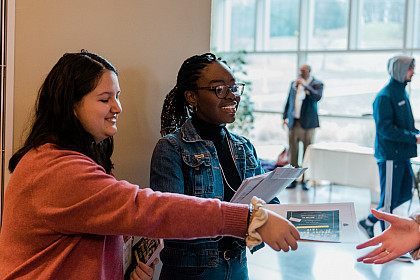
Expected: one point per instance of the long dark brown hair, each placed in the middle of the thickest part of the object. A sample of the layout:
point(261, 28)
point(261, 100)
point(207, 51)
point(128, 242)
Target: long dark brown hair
point(54, 121)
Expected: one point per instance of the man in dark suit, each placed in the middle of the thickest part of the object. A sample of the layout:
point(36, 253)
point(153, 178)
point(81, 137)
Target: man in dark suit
point(301, 114)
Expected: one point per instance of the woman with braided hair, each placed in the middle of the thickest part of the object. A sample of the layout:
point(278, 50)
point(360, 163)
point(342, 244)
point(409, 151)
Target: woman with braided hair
point(176, 109)
point(198, 156)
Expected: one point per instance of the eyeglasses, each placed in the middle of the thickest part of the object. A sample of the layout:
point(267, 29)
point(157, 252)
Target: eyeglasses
point(222, 90)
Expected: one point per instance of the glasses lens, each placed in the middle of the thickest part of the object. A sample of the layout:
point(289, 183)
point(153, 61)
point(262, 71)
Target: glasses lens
point(238, 89)
point(220, 91)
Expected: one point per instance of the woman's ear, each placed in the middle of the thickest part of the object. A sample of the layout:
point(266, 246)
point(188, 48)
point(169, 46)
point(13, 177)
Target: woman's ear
point(75, 109)
point(191, 98)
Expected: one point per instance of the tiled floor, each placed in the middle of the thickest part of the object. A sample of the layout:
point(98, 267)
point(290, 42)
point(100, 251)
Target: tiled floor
point(325, 260)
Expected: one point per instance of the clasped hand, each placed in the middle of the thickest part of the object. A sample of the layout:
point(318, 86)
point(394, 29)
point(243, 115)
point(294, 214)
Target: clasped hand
point(301, 81)
point(279, 233)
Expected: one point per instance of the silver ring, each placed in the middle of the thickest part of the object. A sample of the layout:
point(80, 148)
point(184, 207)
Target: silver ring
point(386, 251)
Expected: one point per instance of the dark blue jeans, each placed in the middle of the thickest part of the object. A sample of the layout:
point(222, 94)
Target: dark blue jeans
point(396, 179)
point(232, 269)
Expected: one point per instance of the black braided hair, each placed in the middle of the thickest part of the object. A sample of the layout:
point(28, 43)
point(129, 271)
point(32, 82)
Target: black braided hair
point(176, 110)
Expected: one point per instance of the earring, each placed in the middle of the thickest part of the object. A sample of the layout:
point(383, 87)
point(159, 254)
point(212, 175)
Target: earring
point(194, 109)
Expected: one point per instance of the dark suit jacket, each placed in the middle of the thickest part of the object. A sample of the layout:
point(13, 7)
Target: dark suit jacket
point(309, 111)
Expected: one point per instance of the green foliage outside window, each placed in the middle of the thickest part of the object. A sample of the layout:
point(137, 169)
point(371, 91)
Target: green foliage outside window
point(244, 122)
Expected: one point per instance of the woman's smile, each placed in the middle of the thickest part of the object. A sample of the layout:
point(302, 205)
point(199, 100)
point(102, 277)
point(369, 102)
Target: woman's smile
point(230, 108)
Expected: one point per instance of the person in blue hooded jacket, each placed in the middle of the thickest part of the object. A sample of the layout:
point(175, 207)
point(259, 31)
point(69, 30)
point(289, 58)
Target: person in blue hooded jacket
point(395, 142)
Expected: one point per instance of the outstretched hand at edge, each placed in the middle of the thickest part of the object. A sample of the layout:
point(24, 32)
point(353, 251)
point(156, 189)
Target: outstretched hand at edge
point(400, 238)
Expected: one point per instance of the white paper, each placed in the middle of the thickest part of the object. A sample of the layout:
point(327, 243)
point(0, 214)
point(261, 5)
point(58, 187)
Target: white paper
point(268, 185)
point(347, 224)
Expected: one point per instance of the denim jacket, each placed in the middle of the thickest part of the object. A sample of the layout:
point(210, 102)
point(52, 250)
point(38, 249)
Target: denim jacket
point(184, 163)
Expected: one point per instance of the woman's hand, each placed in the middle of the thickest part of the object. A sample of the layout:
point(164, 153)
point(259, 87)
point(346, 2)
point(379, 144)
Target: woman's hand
point(400, 238)
point(279, 233)
point(143, 271)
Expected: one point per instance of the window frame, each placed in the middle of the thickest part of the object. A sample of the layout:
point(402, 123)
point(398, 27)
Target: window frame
point(220, 35)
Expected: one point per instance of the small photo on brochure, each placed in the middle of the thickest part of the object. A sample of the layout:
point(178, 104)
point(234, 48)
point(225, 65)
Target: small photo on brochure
point(321, 222)
point(316, 224)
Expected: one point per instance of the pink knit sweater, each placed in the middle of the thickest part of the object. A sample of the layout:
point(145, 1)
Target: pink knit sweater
point(64, 218)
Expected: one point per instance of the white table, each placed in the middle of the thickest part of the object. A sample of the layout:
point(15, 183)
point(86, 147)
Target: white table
point(415, 163)
point(269, 152)
point(342, 163)
point(324, 261)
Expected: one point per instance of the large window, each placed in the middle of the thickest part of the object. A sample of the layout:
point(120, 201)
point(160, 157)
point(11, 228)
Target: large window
point(242, 25)
point(327, 32)
point(283, 25)
point(382, 24)
point(346, 42)
point(414, 27)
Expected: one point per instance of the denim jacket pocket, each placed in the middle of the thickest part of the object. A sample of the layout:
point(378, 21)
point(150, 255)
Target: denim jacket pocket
point(199, 177)
point(251, 164)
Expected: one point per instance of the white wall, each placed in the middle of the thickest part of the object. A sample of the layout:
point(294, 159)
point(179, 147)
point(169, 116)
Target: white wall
point(146, 40)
